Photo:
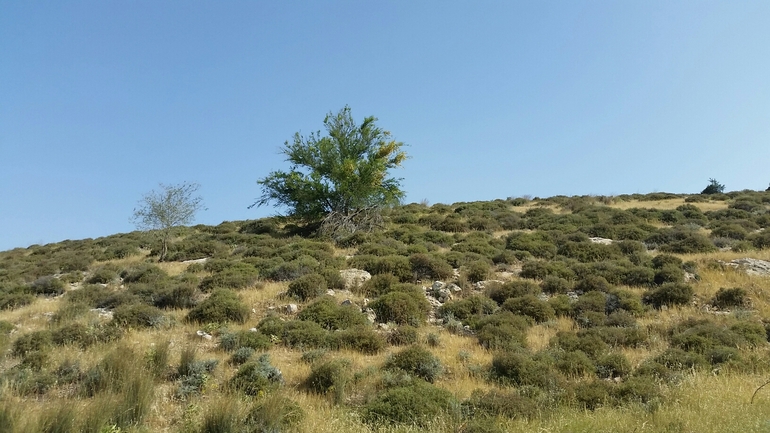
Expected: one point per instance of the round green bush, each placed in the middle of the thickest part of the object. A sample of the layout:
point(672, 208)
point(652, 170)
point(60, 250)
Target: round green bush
point(530, 306)
point(330, 377)
point(139, 316)
point(222, 306)
point(416, 404)
point(402, 335)
point(669, 294)
point(401, 308)
point(734, 297)
point(331, 316)
point(307, 287)
point(416, 361)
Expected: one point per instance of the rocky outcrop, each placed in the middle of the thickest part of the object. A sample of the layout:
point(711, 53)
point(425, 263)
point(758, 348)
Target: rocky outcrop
point(752, 266)
point(353, 278)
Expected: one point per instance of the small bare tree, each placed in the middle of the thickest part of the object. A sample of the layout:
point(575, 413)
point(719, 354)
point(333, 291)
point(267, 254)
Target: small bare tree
point(172, 206)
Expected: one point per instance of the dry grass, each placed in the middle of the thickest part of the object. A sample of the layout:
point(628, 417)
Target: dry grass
point(668, 204)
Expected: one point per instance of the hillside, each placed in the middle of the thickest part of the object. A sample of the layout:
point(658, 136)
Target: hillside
point(631, 313)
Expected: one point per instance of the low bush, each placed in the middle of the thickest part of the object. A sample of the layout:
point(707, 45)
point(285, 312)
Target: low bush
point(726, 298)
point(49, 286)
point(613, 365)
point(230, 341)
point(307, 287)
point(574, 364)
point(332, 377)
point(32, 342)
point(500, 403)
point(530, 306)
point(477, 271)
point(553, 285)
point(274, 413)
point(402, 308)
point(669, 294)
point(416, 361)
point(669, 274)
point(139, 316)
point(326, 312)
point(586, 341)
point(221, 307)
point(416, 404)
point(256, 377)
point(402, 335)
point(306, 335)
point(521, 369)
point(594, 394)
point(360, 338)
point(512, 289)
point(502, 331)
point(237, 276)
point(103, 275)
point(677, 359)
point(468, 309)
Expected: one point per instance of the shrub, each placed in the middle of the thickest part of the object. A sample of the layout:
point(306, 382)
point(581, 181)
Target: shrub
point(530, 306)
point(402, 335)
point(32, 342)
point(416, 361)
point(237, 276)
point(274, 414)
point(379, 284)
point(402, 308)
point(271, 325)
point(241, 355)
point(465, 309)
point(587, 341)
point(477, 271)
point(504, 331)
point(425, 266)
point(361, 338)
point(512, 289)
point(725, 298)
point(552, 285)
point(49, 286)
point(256, 376)
point(591, 301)
point(139, 316)
point(302, 334)
point(574, 364)
point(103, 275)
point(591, 283)
point(669, 294)
point(307, 287)
point(495, 402)
point(592, 395)
point(222, 306)
point(331, 316)
point(669, 274)
point(330, 377)
point(613, 365)
point(678, 359)
point(521, 369)
point(415, 404)
point(230, 341)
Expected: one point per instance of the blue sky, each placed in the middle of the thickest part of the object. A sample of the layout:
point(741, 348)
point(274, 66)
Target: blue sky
point(100, 101)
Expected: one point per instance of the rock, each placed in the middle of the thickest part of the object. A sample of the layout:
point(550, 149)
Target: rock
point(370, 315)
point(330, 292)
point(347, 302)
point(454, 288)
point(573, 296)
point(603, 241)
point(253, 330)
point(481, 285)
point(437, 285)
point(203, 334)
point(292, 308)
point(353, 278)
point(383, 327)
point(203, 260)
point(444, 295)
point(435, 303)
point(753, 266)
point(103, 312)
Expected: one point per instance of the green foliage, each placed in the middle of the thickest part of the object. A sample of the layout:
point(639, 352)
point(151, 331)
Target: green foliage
point(714, 187)
point(307, 287)
point(331, 316)
point(734, 297)
point(139, 316)
point(402, 308)
point(49, 286)
point(416, 361)
point(402, 335)
point(669, 294)
point(478, 270)
point(173, 206)
point(417, 403)
point(331, 377)
point(512, 289)
point(361, 338)
point(274, 414)
point(342, 174)
point(521, 369)
point(429, 267)
point(222, 306)
point(237, 276)
point(230, 341)
point(256, 376)
point(530, 306)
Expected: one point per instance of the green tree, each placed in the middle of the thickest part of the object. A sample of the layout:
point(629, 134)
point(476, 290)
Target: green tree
point(339, 180)
point(172, 206)
point(713, 187)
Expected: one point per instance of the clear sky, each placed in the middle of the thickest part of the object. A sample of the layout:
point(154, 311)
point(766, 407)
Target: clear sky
point(100, 101)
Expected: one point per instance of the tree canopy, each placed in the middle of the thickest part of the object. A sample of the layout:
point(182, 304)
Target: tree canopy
point(341, 177)
point(172, 206)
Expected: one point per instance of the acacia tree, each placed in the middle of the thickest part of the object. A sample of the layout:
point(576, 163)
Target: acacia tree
point(172, 206)
point(339, 180)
